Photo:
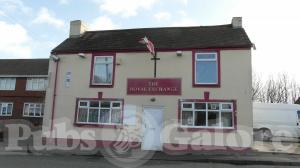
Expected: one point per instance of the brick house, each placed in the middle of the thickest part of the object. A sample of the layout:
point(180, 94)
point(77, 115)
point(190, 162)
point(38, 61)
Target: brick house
point(103, 81)
point(23, 84)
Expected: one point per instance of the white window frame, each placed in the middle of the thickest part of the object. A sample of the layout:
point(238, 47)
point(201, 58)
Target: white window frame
point(12, 84)
point(99, 109)
point(34, 104)
point(93, 75)
point(206, 60)
point(220, 110)
point(6, 104)
point(29, 82)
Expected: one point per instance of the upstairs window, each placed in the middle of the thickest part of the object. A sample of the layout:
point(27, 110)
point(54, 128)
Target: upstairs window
point(6, 109)
point(103, 70)
point(7, 83)
point(206, 68)
point(36, 84)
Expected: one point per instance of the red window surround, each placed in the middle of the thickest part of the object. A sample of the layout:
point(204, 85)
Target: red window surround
point(98, 125)
point(92, 69)
point(219, 68)
point(207, 129)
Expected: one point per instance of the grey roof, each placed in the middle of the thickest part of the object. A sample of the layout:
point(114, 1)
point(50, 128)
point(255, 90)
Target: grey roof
point(221, 36)
point(24, 67)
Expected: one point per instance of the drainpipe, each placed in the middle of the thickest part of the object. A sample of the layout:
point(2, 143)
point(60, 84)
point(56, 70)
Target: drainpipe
point(56, 60)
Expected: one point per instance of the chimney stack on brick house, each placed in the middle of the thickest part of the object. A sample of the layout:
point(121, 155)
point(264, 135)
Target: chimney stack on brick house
point(77, 28)
point(236, 22)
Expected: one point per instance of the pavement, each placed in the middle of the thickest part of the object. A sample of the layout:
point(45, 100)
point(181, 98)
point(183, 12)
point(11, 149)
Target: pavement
point(251, 157)
point(262, 153)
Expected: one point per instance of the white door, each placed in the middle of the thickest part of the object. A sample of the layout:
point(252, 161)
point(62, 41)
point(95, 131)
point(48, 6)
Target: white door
point(152, 125)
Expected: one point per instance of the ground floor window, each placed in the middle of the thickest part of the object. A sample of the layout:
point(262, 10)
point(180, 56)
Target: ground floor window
point(6, 109)
point(33, 110)
point(99, 112)
point(207, 114)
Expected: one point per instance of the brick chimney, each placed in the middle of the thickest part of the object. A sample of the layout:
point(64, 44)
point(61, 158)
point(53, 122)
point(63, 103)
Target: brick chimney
point(77, 28)
point(236, 22)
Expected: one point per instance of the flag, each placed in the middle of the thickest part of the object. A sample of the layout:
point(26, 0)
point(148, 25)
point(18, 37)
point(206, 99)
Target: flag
point(149, 45)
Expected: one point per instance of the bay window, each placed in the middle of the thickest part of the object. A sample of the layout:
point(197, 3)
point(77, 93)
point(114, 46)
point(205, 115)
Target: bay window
point(7, 83)
point(33, 110)
point(207, 114)
point(99, 112)
point(206, 68)
point(6, 109)
point(103, 70)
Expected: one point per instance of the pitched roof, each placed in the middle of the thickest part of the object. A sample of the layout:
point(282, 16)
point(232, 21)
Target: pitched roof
point(222, 36)
point(24, 67)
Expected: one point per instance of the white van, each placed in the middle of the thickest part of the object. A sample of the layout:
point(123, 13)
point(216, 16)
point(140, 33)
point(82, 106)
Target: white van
point(276, 120)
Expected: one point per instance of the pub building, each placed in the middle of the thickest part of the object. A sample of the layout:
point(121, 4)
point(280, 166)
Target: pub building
point(169, 88)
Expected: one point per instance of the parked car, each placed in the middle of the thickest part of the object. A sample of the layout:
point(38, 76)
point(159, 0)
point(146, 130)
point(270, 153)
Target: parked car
point(276, 120)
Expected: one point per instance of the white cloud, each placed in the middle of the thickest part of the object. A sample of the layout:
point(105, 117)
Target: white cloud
point(14, 6)
point(161, 16)
point(185, 21)
point(14, 41)
point(185, 2)
point(103, 23)
point(63, 2)
point(46, 17)
point(125, 8)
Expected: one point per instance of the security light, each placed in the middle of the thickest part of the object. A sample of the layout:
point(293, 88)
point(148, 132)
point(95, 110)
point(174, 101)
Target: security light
point(54, 58)
point(179, 53)
point(81, 55)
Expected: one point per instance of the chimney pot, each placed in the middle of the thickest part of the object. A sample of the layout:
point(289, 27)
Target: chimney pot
point(77, 28)
point(236, 22)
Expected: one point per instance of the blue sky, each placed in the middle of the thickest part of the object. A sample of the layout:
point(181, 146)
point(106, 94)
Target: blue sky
point(31, 28)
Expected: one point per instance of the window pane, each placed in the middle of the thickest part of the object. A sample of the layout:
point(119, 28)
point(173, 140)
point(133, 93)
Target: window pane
point(187, 105)
point(200, 118)
point(187, 118)
point(206, 72)
point(213, 119)
point(226, 106)
point(4, 109)
point(29, 84)
point(35, 84)
point(206, 56)
point(94, 103)
point(116, 104)
point(200, 106)
point(105, 104)
point(9, 109)
point(31, 111)
point(213, 106)
point(104, 60)
point(103, 73)
point(82, 115)
point(116, 115)
point(104, 115)
point(83, 104)
point(226, 119)
point(26, 109)
point(93, 115)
